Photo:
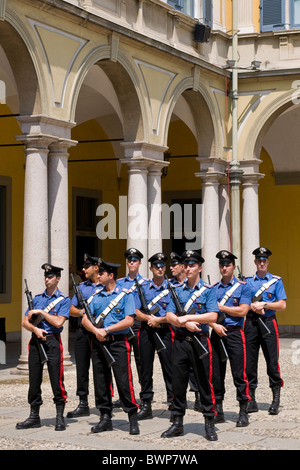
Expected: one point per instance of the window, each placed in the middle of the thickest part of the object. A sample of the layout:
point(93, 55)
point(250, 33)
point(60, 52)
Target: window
point(207, 12)
point(5, 239)
point(85, 240)
point(295, 13)
point(185, 6)
point(271, 15)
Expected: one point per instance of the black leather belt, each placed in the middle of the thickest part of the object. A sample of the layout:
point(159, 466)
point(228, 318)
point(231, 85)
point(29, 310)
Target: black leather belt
point(111, 338)
point(263, 317)
point(185, 337)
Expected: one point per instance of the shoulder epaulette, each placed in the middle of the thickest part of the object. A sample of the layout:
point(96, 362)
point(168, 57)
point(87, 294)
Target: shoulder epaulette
point(276, 277)
point(242, 282)
point(207, 285)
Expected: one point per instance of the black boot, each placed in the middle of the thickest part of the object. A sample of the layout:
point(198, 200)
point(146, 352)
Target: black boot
point(252, 405)
point(243, 420)
point(197, 404)
point(219, 418)
point(133, 423)
point(176, 429)
point(210, 432)
point(81, 410)
point(146, 410)
point(274, 407)
point(33, 421)
point(60, 422)
point(105, 424)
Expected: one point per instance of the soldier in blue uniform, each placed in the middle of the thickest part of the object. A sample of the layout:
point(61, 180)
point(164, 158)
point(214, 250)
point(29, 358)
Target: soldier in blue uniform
point(177, 269)
point(117, 310)
point(82, 337)
point(193, 293)
point(234, 298)
point(134, 259)
point(268, 296)
point(156, 293)
point(53, 308)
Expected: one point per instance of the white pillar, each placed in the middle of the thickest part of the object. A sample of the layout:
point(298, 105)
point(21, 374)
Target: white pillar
point(35, 229)
point(224, 215)
point(154, 209)
point(211, 171)
point(59, 221)
point(250, 215)
point(137, 218)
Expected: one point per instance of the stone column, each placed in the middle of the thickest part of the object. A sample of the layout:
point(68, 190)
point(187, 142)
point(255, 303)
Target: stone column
point(224, 214)
point(35, 229)
point(250, 214)
point(59, 221)
point(144, 163)
point(211, 170)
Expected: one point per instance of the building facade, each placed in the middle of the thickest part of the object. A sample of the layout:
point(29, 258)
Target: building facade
point(112, 110)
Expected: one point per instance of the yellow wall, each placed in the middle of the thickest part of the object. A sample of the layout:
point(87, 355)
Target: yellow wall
point(12, 162)
point(279, 231)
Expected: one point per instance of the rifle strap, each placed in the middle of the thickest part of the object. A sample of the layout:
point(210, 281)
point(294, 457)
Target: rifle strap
point(265, 286)
point(93, 294)
point(52, 304)
point(229, 293)
point(194, 297)
point(110, 306)
point(157, 298)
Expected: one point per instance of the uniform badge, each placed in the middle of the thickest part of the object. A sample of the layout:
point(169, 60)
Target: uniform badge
point(235, 301)
point(269, 295)
point(164, 305)
point(118, 311)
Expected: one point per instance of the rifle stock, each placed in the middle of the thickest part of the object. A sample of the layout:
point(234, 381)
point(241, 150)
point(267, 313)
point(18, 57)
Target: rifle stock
point(223, 351)
point(159, 344)
point(262, 326)
point(84, 305)
point(200, 348)
point(36, 321)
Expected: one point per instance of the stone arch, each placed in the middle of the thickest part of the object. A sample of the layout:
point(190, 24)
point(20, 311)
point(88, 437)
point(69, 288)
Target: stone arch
point(123, 77)
point(208, 130)
point(263, 122)
point(17, 45)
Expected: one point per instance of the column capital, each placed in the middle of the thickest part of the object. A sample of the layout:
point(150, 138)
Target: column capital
point(251, 173)
point(40, 124)
point(212, 169)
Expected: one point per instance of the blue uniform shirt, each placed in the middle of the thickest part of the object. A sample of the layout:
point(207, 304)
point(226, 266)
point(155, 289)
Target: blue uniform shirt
point(127, 283)
point(206, 302)
point(123, 308)
point(241, 295)
point(175, 282)
point(152, 291)
point(273, 293)
point(87, 288)
point(61, 309)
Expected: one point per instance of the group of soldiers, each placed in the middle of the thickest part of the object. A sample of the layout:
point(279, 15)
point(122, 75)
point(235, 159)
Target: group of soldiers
point(193, 327)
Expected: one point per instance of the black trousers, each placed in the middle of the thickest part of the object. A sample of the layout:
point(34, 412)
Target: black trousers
point(120, 350)
point(147, 352)
point(54, 350)
point(82, 349)
point(270, 349)
point(184, 358)
point(235, 345)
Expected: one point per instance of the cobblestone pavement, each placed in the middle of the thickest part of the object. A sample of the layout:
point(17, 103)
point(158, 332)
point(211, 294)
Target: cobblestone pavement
point(265, 432)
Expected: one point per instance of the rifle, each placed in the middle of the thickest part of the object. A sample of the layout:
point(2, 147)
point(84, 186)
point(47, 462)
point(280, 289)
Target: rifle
point(261, 324)
point(200, 348)
point(84, 305)
point(35, 321)
point(223, 351)
point(159, 344)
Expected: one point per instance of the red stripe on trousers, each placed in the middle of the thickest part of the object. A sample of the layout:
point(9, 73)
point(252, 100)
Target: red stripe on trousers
point(244, 368)
point(129, 371)
point(277, 345)
point(61, 372)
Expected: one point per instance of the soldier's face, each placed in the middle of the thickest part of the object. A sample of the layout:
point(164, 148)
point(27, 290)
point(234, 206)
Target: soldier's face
point(227, 269)
point(193, 270)
point(262, 264)
point(51, 281)
point(177, 269)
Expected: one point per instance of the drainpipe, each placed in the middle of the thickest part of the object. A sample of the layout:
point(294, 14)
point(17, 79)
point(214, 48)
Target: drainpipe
point(235, 173)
